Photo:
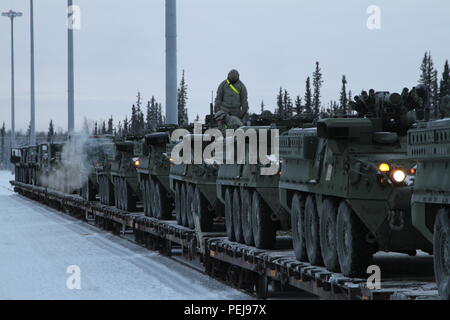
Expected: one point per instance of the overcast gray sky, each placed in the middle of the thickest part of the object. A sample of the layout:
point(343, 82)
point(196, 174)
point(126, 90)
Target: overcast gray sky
point(120, 50)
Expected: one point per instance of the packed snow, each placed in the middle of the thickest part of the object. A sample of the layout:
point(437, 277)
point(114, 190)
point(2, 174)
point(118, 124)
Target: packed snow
point(38, 245)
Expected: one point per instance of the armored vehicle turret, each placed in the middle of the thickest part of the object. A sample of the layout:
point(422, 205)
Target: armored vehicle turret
point(347, 184)
point(429, 145)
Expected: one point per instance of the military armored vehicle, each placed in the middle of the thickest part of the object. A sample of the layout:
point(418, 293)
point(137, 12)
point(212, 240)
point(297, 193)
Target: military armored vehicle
point(49, 161)
point(153, 172)
point(253, 212)
point(429, 144)
point(96, 149)
point(124, 173)
point(103, 173)
point(347, 184)
point(24, 160)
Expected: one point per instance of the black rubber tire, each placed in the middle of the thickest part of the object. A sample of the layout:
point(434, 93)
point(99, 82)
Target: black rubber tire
point(189, 213)
point(246, 216)
point(264, 232)
point(237, 224)
point(183, 205)
point(353, 250)
point(162, 203)
point(201, 209)
point(145, 197)
point(312, 232)
point(177, 204)
point(298, 227)
point(441, 248)
point(229, 214)
point(328, 246)
point(151, 189)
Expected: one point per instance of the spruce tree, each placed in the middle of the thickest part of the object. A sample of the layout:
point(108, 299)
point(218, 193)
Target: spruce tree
point(126, 127)
point(343, 98)
point(262, 106)
point(435, 95)
point(182, 102)
point(110, 125)
point(51, 131)
point(308, 96)
point(317, 84)
point(133, 121)
point(298, 105)
point(287, 105)
point(280, 106)
point(445, 81)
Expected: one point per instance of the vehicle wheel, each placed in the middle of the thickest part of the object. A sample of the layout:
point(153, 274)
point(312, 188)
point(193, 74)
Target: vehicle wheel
point(189, 213)
point(264, 233)
point(298, 227)
point(183, 205)
point(441, 248)
point(237, 224)
point(312, 233)
point(145, 195)
point(229, 214)
point(246, 217)
point(151, 197)
point(201, 209)
point(352, 248)
point(162, 204)
point(328, 235)
point(178, 204)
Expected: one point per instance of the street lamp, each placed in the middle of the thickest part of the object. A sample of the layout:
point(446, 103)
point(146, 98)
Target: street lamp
point(11, 15)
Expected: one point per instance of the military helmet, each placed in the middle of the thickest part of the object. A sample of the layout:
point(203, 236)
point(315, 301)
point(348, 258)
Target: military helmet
point(220, 116)
point(233, 76)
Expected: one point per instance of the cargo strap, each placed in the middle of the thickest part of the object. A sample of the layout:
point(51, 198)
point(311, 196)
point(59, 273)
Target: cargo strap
point(233, 88)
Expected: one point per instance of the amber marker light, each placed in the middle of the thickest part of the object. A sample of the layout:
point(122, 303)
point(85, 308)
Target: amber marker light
point(384, 167)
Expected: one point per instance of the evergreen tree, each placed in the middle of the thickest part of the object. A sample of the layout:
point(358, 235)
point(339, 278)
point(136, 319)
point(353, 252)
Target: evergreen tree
point(287, 105)
point(435, 95)
point(317, 84)
point(262, 106)
point(280, 105)
point(103, 131)
point(445, 81)
point(343, 98)
point(110, 125)
point(51, 131)
point(182, 102)
point(428, 77)
point(126, 127)
point(96, 128)
point(298, 105)
point(133, 121)
point(308, 96)
point(119, 131)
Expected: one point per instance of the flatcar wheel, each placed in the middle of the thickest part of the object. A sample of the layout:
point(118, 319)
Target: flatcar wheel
point(312, 232)
point(353, 250)
point(183, 204)
point(264, 232)
point(189, 199)
point(201, 209)
point(328, 235)
point(441, 246)
point(229, 214)
point(237, 224)
point(298, 227)
point(177, 204)
point(246, 217)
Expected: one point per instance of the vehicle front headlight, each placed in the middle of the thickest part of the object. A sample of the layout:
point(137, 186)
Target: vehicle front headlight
point(398, 175)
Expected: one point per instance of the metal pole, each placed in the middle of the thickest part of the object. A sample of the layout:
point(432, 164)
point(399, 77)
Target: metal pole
point(32, 98)
point(13, 118)
point(171, 62)
point(70, 70)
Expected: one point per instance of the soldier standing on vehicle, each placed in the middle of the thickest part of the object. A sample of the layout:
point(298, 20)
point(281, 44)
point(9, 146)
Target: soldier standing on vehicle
point(232, 97)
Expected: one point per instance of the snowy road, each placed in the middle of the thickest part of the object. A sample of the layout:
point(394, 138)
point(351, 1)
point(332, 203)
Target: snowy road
point(38, 244)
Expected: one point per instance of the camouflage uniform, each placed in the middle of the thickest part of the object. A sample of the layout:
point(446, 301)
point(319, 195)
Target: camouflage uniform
point(232, 96)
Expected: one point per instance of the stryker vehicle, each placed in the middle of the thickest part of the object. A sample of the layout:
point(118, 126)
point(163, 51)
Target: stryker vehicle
point(25, 161)
point(49, 159)
point(347, 184)
point(103, 173)
point(124, 174)
point(96, 149)
point(194, 186)
point(429, 144)
point(253, 213)
point(153, 172)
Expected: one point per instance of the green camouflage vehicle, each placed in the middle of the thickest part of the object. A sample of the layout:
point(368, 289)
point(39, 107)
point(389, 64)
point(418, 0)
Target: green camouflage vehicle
point(49, 161)
point(124, 174)
point(96, 149)
point(103, 173)
point(253, 212)
point(429, 144)
point(347, 184)
point(24, 161)
point(153, 172)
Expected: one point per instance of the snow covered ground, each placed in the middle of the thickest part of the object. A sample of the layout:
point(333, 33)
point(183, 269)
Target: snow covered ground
point(38, 244)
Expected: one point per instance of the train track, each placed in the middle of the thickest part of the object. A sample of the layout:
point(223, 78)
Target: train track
point(260, 273)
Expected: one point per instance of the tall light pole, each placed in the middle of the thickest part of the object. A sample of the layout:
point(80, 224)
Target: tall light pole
point(70, 72)
point(32, 96)
point(171, 62)
point(11, 15)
